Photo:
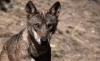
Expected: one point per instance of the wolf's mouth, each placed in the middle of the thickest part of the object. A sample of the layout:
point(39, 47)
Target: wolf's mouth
point(43, 43)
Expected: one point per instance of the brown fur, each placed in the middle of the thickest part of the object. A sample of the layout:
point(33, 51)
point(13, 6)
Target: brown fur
point(25, 45)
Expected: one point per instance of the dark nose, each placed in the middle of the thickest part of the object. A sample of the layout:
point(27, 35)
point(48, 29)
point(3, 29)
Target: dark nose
point(44, 40)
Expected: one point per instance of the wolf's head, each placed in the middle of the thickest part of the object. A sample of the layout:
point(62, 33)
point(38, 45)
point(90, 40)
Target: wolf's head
point(42, 25)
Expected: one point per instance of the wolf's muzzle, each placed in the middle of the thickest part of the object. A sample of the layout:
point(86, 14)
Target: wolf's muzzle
point(44, 41)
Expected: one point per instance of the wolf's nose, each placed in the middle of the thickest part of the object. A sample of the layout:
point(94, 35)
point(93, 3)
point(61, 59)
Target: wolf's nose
point(44, 41)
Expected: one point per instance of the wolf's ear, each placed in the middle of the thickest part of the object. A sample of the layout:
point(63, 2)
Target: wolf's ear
point(30, 8)
point(55, 9)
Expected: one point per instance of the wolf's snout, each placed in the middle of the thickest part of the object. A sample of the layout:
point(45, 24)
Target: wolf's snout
point(44, 41)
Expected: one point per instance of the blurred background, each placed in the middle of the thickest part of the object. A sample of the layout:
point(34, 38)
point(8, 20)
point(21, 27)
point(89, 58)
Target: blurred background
point(78, 33)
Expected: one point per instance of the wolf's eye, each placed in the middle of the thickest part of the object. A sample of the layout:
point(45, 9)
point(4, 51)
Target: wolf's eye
point(50, 25)
point(37, 25)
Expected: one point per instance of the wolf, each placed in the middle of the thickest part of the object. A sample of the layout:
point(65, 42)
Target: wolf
point(33, 42)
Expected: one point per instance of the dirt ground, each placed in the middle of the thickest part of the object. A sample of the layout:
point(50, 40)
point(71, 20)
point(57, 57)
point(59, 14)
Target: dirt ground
point(78, 35)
